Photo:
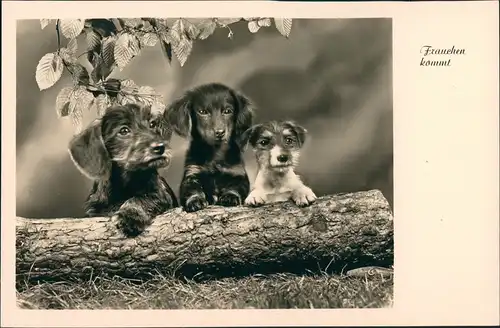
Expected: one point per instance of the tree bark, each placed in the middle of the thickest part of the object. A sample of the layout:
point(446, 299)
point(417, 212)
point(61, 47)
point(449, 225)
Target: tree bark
point(337, 232)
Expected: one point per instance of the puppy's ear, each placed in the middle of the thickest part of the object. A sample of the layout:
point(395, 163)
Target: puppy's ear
point(178, 114)
point(248, 135)
point(244, 114)
point(299, 130)
point(89, 154)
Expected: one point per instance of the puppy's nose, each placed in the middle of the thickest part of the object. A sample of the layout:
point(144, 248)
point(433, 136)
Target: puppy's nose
point(220, 133)
point(158, 148)
point(282, 158)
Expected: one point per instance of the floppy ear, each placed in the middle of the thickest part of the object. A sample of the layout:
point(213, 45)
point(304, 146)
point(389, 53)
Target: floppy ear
point(244, 115)
point(89, 154)
point(245, 137)
point(299, 130)
point(178, 114)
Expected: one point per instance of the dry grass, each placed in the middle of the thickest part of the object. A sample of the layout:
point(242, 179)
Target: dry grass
point(263, 292)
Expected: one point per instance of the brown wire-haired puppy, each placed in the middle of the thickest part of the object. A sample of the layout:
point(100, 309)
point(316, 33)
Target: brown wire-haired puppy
point(277, 147)
point(122, 152)
point(213, 116)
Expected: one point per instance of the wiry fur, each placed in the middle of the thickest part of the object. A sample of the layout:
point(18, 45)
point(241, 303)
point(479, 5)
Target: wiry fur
point(122, 152)
point(277, 147)
point(213, 116)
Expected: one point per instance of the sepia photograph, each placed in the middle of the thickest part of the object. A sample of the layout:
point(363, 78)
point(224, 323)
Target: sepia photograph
point(204, 163)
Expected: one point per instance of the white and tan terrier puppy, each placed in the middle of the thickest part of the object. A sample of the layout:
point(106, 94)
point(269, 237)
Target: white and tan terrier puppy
point(277, 146)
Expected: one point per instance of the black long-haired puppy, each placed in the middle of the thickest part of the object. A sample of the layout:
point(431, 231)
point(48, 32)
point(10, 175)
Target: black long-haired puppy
point(122, 152)
point(213, 116)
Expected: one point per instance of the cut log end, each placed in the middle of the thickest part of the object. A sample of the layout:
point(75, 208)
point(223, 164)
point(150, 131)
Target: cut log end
point(336, 232)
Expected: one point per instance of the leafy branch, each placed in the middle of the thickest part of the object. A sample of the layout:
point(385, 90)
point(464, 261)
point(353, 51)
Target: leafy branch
point(112, 44)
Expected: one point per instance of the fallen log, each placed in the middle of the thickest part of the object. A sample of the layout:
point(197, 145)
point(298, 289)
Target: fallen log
point(337, 232)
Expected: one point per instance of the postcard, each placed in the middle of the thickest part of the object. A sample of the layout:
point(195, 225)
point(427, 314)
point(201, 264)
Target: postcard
point(246, 163)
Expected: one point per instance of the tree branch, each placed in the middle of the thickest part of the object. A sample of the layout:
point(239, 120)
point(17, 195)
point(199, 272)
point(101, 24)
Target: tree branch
point(117, 24)
point(342, 231)
point(58, 32)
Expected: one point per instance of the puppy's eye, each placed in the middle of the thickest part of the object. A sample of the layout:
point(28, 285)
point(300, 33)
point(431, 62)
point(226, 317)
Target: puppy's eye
point(264, 142)
point(153, 124)
point(288, 140)
point(124, 131)
point(202, 111)
point(227, 110)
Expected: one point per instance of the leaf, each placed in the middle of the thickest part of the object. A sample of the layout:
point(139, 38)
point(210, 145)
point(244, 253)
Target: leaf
point(128, 85)
point(264, 22)
point(149, 39)
point(131, 93)
point(178, 25)
point(182, 50)
point(228, 21)
point(253, 26)
point(112, 87)
point(190, 29)
point(97, 72)
point(108, 50)
point(102, 102)
point(49, 70)
point(106, 70)
point(91, 57)
point(126, 48)
point(128, 91)
point(206, 28)
point(101, 71)
point(67, 56)
point(167, 50)
point(113, 101)
point(150, 20)
point(163, 34)
point(146, 26)
point(284, 26)
point(159, 98)
point(71, 28)
point(173, 36)
point(77, 119)
point(158, 108)
point(62, 101)
point(93, 40)
point(105, 27)
point(72, 46)
point(183, 28)
point(81, 99)
point(79, 74)
point(145, 90)
point(181, 36)
point(159, 23)
point(146, 95)
point(255, 23)
point(44, 22)
point(124, 99)
point(131, 22)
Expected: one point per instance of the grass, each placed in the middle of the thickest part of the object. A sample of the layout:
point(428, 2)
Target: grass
point(258, 291)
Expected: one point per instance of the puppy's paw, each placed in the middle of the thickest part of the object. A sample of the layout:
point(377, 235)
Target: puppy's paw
point(303, 197)
point(255, 198)
point(91, 213)
point(195, 203)
point(130, 221)
point(95, 209)
point(230, 198)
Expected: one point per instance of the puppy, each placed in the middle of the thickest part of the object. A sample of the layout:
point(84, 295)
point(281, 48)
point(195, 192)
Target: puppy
point(122, 152)
point(213, 116)
point(277, 145)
